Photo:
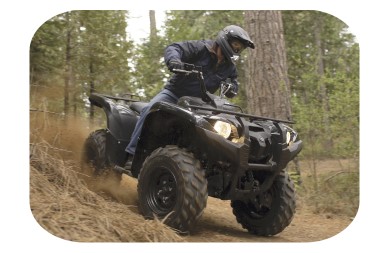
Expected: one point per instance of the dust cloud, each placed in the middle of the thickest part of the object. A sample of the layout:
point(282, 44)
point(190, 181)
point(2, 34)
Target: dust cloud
point(68, 201)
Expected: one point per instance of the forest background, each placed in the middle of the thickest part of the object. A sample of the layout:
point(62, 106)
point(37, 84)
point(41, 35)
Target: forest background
point(80, 52)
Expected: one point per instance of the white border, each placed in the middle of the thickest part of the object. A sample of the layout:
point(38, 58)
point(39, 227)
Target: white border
point(20, 20)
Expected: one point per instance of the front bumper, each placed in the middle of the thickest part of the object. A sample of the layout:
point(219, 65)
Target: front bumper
point(219, 150)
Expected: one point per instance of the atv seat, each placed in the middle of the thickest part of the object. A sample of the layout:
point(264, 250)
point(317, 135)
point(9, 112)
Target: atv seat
point(138, 106)
point(186, 100)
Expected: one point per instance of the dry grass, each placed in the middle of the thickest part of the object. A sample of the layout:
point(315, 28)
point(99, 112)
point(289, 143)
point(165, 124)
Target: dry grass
point(330, 186)
point(74, 206)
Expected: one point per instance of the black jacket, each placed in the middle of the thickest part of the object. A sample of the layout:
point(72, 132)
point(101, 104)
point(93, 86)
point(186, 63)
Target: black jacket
point(199, 53)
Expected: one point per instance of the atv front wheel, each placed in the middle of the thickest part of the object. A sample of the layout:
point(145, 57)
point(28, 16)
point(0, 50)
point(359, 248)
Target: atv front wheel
point(270, 212)
point(172, 186)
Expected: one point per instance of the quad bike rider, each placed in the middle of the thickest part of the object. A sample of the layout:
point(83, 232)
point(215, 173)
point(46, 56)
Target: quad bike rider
point(197, 148)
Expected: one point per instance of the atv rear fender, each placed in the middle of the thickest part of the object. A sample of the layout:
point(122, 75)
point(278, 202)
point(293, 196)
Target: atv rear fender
point(121, 121)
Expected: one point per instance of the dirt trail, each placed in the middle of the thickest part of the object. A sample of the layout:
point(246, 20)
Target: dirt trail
point(218, 224)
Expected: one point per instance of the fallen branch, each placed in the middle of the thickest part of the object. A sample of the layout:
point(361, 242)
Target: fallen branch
point(49, 146)
point(338, 173)
point(37, 110)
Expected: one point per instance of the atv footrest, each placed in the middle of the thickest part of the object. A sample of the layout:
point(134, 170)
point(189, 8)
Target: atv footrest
point(261, 167)
point(122, 170)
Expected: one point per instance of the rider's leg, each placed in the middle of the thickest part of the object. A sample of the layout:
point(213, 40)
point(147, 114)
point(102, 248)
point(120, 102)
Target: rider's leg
point(163, 96)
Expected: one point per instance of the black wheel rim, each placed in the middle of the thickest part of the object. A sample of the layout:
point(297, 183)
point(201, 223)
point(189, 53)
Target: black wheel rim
point(90, 155)
point(161, 195)
point(261, 206)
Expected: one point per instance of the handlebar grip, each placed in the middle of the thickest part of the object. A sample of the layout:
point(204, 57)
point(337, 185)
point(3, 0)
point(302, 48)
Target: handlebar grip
point(181, 70)
point(186, 71)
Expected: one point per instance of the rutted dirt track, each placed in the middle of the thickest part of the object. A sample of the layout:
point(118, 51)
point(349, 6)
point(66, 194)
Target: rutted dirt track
point(68, 207)
point(218, 224)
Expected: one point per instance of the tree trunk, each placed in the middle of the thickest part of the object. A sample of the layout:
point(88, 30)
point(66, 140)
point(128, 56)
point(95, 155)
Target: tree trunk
point(268, 90)
point(322, 86)
point(68, 69)
point(92, 88)
point(153, 25)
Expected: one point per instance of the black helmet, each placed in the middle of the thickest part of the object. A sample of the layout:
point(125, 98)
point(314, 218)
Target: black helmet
point(229, 34)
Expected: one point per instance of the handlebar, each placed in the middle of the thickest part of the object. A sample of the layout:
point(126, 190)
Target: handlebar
point(187, 71)
point(197, 70)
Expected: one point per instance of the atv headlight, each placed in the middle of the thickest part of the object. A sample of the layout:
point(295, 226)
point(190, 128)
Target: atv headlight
point(291, 135)
point(287, 137)
point(222, 128)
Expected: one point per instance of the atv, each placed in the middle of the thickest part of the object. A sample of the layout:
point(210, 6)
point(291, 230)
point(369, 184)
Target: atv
point(197, 148)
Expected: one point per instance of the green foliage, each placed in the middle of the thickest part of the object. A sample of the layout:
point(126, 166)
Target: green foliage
point(45, 52)
point(344, 116)
point(150, 70)
point(199, 24)
point(323, 61)
point(87, 50)
point(332, 192)
point(103, 50)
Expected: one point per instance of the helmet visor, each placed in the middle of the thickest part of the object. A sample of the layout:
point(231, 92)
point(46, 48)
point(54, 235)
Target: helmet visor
point(237, 46)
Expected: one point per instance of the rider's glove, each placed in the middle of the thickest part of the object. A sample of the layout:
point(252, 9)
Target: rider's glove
point(175, 65)
point(233, 91)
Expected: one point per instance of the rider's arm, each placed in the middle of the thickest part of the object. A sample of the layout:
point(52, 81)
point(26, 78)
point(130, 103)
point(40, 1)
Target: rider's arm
point(235, 85)
point(185, 51)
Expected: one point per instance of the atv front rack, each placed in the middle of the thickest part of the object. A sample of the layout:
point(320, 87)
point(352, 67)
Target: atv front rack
point(250, 116)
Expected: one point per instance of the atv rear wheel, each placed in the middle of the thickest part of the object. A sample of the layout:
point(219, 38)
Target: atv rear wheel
point(172, 186)
point(94, 152)
point(271, 212)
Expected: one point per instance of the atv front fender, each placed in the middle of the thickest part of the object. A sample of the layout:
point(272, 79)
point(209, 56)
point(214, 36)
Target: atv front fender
point(166, 124)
